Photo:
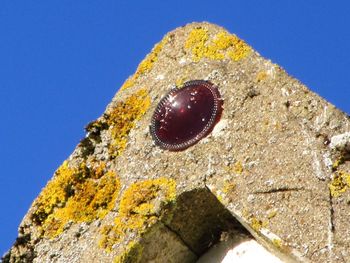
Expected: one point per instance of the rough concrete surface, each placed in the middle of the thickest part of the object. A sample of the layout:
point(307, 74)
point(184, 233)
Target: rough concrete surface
point(276, 167)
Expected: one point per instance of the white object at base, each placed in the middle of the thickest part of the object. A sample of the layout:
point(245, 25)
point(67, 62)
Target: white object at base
point(248, 251)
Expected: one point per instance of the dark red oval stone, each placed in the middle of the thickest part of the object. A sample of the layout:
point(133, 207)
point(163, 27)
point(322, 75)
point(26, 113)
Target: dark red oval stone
point(186, 115)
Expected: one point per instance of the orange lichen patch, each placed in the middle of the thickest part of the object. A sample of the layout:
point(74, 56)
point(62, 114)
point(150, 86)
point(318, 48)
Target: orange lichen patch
point(146, 65)
point(122, 118)
point(138, 209)
point(339, 184)
point(221, 46)
point(75, 194)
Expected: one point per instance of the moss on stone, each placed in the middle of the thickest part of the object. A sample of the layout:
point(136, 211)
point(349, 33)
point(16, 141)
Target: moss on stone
point(138, 209)
point(223, 45)
point(79, 194)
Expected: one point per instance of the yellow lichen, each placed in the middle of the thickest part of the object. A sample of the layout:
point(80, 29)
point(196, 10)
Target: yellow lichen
point(220, 197)
point(196, 42)
point(272, 214)
point(240, 51)
point(238, 168)
point(223, 41)
point(337, 163)
point(228, 187)
point(222, 45)
point(257, 224)
point(132, 253)
point(128, 83)
point(99, 168)
point(261, 76)
point(75, 194)
point(122, 118)
point(146, 65)
point(138, 209)
point(339, 184)
point(179, 82)
point(277, 243)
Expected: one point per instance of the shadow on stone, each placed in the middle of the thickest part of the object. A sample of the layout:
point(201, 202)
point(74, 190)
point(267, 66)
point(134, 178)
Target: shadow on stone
point(200, 221)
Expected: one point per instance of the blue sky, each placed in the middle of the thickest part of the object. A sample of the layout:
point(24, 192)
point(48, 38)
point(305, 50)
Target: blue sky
point(61, 62)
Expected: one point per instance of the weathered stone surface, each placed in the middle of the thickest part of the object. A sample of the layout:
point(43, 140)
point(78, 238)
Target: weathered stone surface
point(271, 166)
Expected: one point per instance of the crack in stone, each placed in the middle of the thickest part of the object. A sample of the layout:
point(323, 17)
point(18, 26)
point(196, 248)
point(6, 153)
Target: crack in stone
point(181, 239)
point(331, 227)
point(279, 190)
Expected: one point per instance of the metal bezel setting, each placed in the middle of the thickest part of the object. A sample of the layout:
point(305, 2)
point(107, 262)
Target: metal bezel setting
point(215, 116)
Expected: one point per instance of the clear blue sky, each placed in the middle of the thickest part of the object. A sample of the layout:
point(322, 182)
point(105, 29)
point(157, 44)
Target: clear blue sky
point(61, 62)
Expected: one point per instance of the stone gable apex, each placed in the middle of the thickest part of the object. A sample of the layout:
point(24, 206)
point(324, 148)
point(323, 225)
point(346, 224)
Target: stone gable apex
point(276, 167)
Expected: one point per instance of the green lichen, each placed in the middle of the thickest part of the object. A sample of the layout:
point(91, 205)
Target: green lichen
point(138, 209)
point(79, 194)
point(339, 184)
point(223, 45)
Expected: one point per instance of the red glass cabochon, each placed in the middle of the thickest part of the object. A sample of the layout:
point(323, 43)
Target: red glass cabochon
point(186, 114)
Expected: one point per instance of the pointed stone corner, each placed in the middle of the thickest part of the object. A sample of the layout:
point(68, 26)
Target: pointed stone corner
point(276, 167)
